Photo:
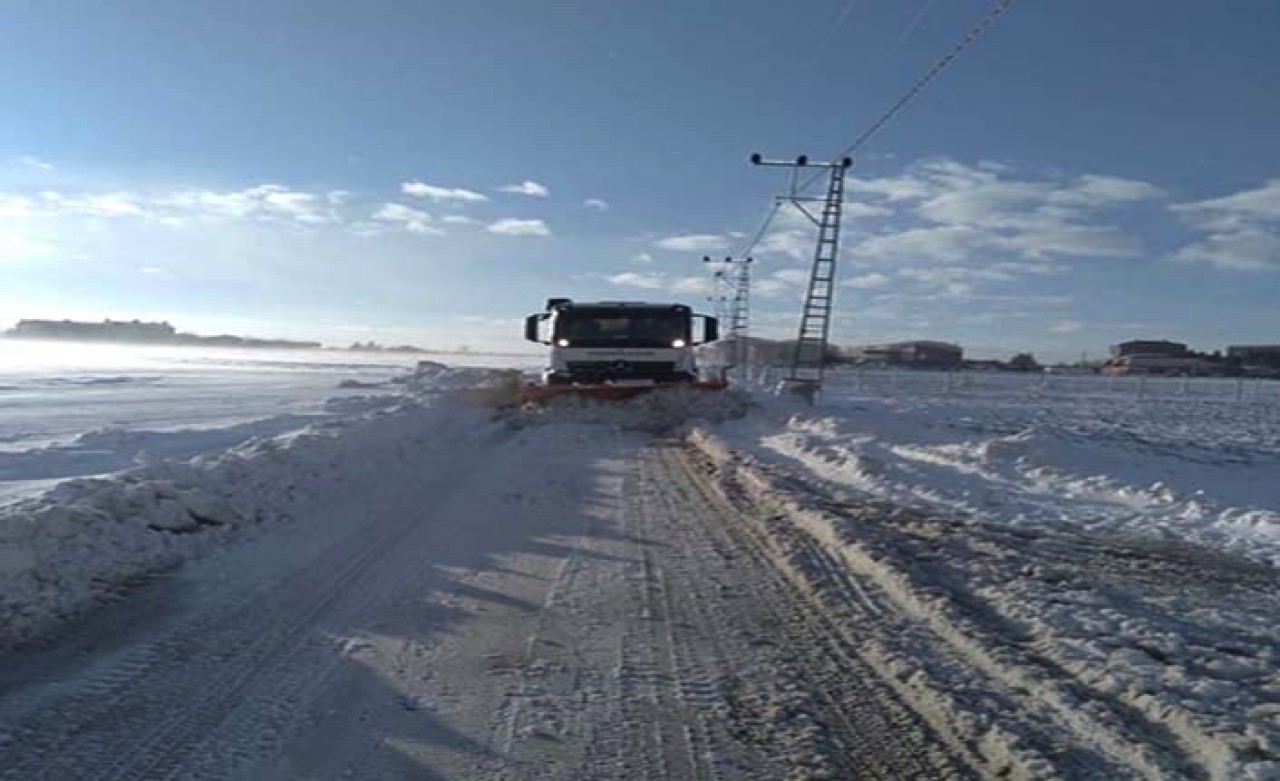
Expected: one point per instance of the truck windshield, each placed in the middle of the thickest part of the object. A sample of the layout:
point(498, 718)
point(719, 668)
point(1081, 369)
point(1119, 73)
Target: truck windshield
point(612, 328)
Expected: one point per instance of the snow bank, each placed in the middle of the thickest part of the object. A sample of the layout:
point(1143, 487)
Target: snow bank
point(89, 539)
point(430, 377)
point(178, 494)
point(657, 412)
point(102, 451)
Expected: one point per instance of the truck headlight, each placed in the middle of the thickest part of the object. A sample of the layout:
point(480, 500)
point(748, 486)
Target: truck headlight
point(562, 343)
point(677, 343)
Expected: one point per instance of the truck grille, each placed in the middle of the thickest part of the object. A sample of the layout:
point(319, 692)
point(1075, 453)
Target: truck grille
point(621, 369)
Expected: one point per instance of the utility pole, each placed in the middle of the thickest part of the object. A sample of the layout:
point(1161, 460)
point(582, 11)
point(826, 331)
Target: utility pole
point(737, 279)
point(808, 359)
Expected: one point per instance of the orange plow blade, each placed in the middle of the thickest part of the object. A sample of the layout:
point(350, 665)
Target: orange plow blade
point(540, 393)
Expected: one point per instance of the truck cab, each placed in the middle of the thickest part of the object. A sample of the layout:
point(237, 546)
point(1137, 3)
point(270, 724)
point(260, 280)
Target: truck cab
point(619, 342)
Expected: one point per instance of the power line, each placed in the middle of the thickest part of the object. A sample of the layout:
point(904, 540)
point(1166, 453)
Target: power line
point(915, 22)
point(974, 33)
point(834, 31)
point(759, 234)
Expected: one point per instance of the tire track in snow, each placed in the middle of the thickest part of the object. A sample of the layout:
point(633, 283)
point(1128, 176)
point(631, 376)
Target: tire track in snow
point(831, 703)
point(1119, 743)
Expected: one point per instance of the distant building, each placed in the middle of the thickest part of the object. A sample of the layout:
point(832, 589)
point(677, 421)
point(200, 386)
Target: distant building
point(1177, 365)
point(920, 354)
point(1157, 357)
point(1150, 348)
point(1267, 355)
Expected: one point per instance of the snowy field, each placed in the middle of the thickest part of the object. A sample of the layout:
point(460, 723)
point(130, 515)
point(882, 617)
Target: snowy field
point(1190, 460)
point(78, 410)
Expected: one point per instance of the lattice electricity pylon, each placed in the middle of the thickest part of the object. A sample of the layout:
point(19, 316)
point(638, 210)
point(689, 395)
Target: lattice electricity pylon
point(720, 289)
point(808, 359)
point(735, 282)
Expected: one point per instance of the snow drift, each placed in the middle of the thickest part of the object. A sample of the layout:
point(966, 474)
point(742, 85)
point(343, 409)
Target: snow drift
point(89, 539)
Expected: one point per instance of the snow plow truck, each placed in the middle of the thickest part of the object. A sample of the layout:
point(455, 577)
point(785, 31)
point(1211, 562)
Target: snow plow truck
point(616, 350)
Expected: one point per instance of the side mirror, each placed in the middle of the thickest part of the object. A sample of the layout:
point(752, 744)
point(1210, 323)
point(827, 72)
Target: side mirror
point(710, 329)
point(531, 328)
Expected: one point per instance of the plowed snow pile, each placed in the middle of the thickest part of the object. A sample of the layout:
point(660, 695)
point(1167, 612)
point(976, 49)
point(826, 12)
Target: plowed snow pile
point(87, 539)
point(435, 378)
point(658, 412)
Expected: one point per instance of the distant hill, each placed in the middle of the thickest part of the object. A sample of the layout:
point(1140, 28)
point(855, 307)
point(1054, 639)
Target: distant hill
point(139, 332)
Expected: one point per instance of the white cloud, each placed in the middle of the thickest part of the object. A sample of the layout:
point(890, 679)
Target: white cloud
point(1242, 230)
point(459, 219)
point(642, 257)
point(1095, 190)
point(990, 209)
point(855, 210)
point(791, 234)
point(1081, 240)
point(117, 204)
point(153, 270)
point(15, 206)
point(988, 203)
point(512, 227)
point(694, 242)
point(1247, 207)
point(889, 188)
point(437, 193)
point(261, 202)
point(34, 162)
point(792, 276)
point(655, 280)
point(797, 244)
point(953, 275)
point(596, 204)
point(526, 188)
point(693, 286)
point(1067, 326)
point(773, 288)
point(411, 219)
point(175, 208)
point(17, 246)
point(868, 281)
point(1248, 249)
point(303, 207)
point(643, 281)
point(945, 244)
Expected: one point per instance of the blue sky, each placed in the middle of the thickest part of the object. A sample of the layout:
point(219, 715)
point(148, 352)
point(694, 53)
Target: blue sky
point(429, 172)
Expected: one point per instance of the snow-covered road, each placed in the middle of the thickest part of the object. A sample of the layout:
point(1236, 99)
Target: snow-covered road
point(709, 586)
point(501, 600)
